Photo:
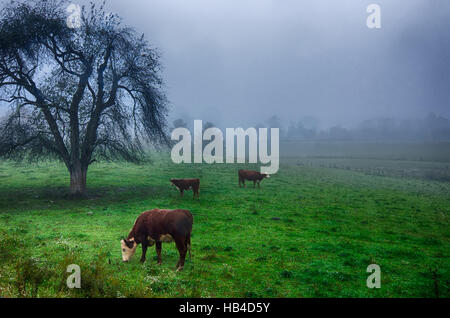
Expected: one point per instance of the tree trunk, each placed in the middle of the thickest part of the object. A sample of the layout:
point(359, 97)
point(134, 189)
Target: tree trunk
point(78, 182)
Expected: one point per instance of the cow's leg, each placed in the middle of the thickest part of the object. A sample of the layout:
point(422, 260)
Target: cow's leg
point(259, 183)
point(180, 242)
point(158, 252)
point(240, 180)
point(144, 250)
point(254, 183)
point(181, 192)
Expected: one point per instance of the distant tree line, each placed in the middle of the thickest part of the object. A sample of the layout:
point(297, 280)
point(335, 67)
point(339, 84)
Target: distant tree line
point(431, 128)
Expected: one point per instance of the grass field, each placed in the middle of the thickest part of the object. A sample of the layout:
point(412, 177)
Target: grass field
point(310, 231)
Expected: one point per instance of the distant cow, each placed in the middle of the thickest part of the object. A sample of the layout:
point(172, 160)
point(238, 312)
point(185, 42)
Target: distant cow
point(187, 184)
point(254, 176)
point(157, 226)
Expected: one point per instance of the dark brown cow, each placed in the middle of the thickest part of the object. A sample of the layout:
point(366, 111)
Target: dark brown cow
point(187, 184)
point(157, 226)
point(254, 176)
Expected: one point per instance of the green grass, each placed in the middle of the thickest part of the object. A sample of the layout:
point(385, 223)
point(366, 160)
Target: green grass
point(308, 232)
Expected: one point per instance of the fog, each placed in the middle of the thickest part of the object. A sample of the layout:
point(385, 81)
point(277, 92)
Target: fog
point(239, 62)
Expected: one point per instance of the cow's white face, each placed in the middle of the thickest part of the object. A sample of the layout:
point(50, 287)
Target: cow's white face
point(267, 175)
point(128, 251)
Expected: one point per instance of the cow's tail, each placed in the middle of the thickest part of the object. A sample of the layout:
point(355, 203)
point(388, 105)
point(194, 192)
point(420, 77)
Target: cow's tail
point(188, 244)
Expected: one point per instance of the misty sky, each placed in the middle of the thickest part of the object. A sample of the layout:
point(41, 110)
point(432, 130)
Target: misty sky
point(237, 62)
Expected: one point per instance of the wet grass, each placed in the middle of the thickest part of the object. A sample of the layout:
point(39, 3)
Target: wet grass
point(308, 232)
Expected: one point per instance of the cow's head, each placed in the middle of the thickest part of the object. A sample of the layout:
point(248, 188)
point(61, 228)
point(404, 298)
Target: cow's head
point(173, 182)
point(266, 175)
point(128, 248)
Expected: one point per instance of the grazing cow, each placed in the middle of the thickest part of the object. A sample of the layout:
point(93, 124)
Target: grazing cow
point(157, 226)
point(186, 184)
point(254, 176)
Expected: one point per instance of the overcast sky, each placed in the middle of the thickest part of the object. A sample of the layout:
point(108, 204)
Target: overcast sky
point(237, 62)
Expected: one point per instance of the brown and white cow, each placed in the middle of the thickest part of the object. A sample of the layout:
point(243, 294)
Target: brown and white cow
point(187, 184)
point(251, 175)
point(158, 226)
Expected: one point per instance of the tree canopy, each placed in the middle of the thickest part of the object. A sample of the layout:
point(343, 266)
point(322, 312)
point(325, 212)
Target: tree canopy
point(77, 94)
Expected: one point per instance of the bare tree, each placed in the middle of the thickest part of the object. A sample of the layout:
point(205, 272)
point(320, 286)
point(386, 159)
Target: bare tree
point(77, 94)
